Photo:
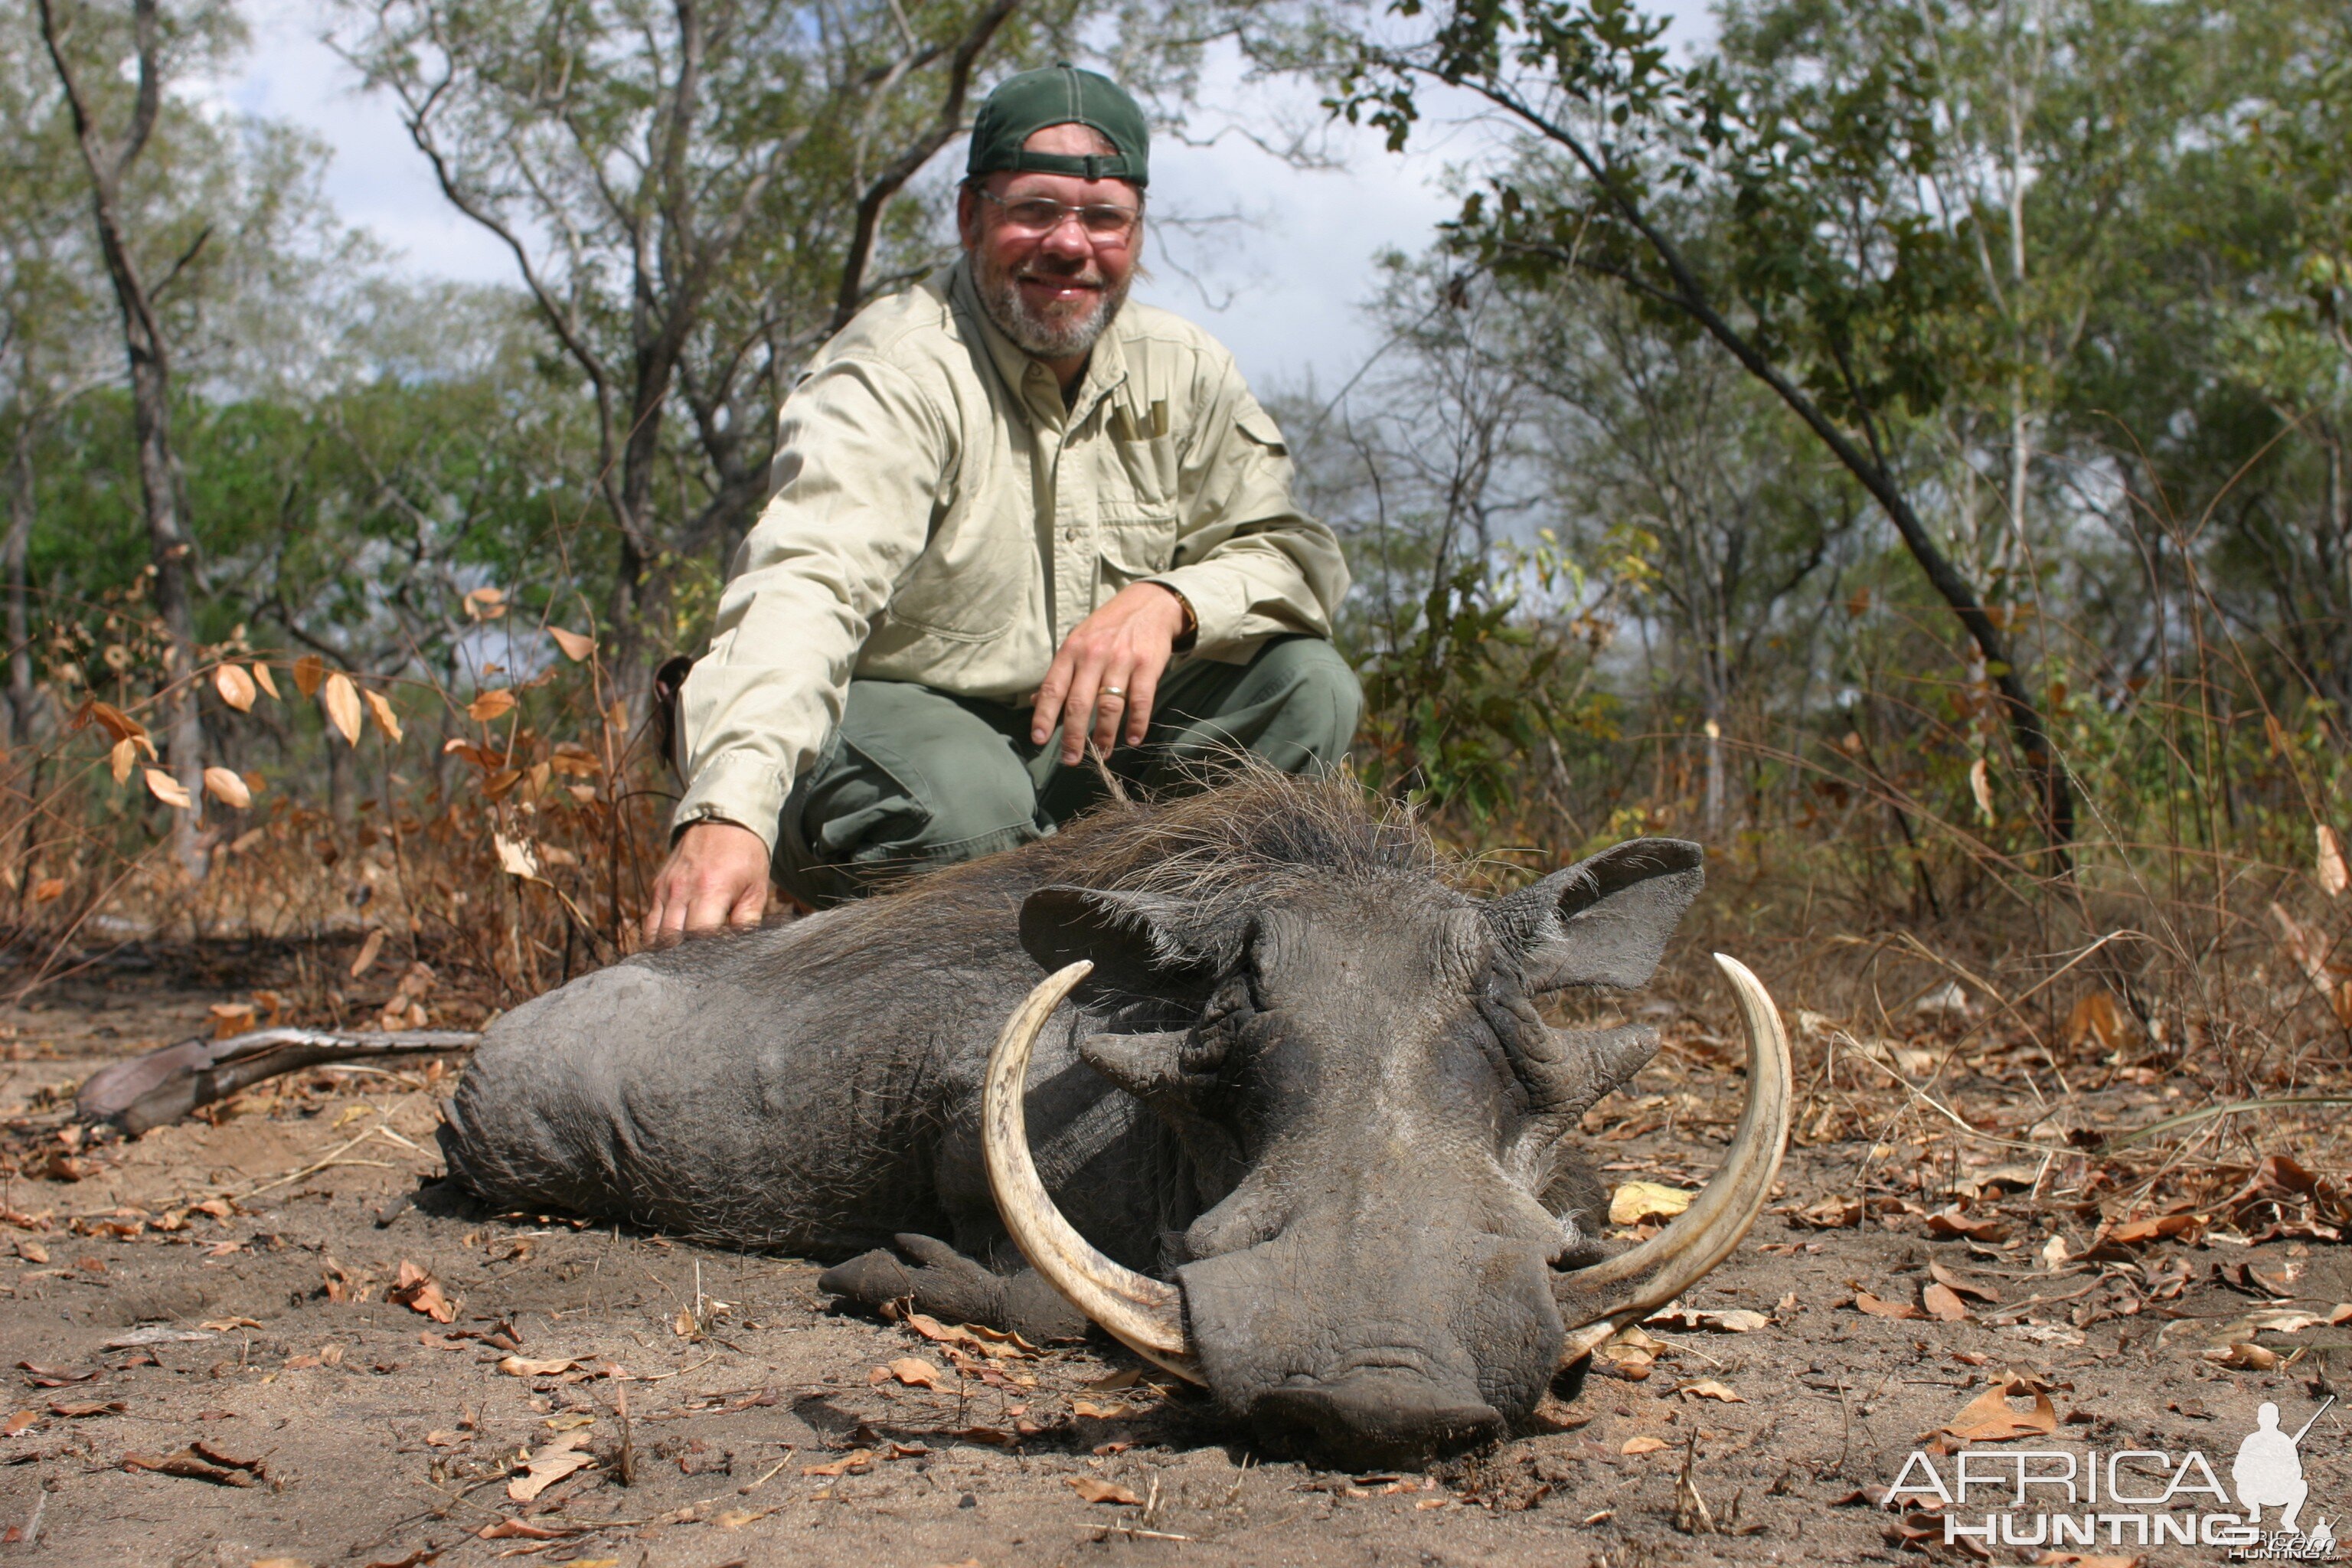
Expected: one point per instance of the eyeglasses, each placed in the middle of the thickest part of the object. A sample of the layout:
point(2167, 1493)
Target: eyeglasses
point(1104, 221)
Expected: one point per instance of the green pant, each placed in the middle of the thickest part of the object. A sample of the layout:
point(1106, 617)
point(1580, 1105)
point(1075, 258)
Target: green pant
point(915, 778)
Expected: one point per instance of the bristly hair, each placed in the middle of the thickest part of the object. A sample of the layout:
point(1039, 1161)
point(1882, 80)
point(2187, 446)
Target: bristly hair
point(1254, 834)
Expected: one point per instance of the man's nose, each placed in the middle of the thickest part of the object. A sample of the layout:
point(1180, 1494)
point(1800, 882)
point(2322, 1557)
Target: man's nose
point(1067, 239)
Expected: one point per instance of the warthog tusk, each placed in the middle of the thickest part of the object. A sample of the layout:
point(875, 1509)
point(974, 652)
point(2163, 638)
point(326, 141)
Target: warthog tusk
point(1608, 1295)
point(1145, 1314)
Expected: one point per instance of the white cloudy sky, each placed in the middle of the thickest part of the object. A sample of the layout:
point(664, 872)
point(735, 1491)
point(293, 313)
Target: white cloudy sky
point(1283, 289)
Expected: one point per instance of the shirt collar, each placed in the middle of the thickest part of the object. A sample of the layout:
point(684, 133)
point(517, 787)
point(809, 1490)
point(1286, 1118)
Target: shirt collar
point(1030, 382)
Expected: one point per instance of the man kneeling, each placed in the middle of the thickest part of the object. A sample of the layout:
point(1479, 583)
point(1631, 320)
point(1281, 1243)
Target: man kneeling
point(1009, 517)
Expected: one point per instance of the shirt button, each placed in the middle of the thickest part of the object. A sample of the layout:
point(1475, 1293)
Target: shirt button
point(1070, 535)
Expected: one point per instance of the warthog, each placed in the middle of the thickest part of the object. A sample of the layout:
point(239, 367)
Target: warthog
point(1303, 1137)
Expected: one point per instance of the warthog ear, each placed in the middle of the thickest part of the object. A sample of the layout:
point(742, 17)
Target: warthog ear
point(1603, 920)
point(1136, 941)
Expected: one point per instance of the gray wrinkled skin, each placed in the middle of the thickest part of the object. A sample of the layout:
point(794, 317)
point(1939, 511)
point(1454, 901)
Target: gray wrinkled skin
point(1306, 1081)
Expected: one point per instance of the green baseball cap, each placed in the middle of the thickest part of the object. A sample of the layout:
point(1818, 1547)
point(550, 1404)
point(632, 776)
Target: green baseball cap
point(1060, 94)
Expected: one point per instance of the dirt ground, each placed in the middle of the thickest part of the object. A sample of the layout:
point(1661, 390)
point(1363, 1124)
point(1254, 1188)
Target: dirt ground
point(247, 1380)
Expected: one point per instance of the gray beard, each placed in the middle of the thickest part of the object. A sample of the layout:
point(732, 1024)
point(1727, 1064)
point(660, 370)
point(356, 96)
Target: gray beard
point(1060, 335)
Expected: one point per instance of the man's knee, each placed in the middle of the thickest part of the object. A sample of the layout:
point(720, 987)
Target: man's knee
point(977, 802)
point(1320, 702)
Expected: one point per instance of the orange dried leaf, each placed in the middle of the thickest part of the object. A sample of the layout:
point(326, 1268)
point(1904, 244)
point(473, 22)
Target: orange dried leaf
point(309, 672)
point(1943, 1304)
point(1094, 1488)
point(491, 705)
point(527, 1366)
point(911, 1372)
point(1991, 1418)
point(48, 889)
point(370, 947)
point(416, 1290)
point(263, 678)
point(122, 759)
point(2333, 877)
point(856, 1462)
point(342, 704)
point(1643, 1445)
point(576, 645)
point(166, 788)
point(1949, 1222)
point(226, 787)
point(1864, 1301)
point(236, 687)
point(486, 604)
point(385, 718)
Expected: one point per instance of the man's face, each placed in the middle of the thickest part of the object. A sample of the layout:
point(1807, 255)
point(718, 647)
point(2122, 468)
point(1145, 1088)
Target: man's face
point(1052, 292)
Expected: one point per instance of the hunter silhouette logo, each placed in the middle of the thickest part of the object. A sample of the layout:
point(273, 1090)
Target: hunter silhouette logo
point(2268, 1473)
point(2063, 1498)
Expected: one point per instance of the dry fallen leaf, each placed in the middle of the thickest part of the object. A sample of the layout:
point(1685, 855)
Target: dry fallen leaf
point(1638, 1201)
point(1864, 1301)
point(1960, 1285)
point(911, 1372)
point(235, 687)
point(51, 889)
point(526, 1366)
point(166, 788)
point(1087, 1407)
point(32, 1251)
point(1731, 1321)
point(856, 1462)
point(1949, 1222)
point(1943, 1304)
point(342, 704)
point(550, 1464)
point(2245, 1357)
point(1709, 1388)
point(370, 947)
point(19, 1422)
point(228, 788)
point(1830, 1214)
point(415, 1289)
point(2136, 1232)
point(1094, 1488)
point(1991, 1418)
point(1643, 1445)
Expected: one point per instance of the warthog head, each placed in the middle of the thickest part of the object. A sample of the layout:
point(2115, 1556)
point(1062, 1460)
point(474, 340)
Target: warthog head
point(1397, 1248)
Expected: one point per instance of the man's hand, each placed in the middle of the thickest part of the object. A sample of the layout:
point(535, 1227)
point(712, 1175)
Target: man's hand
point(716, 876)
point(1109, 670)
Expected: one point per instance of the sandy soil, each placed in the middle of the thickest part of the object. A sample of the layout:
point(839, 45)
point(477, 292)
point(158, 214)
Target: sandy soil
point(231, 1385)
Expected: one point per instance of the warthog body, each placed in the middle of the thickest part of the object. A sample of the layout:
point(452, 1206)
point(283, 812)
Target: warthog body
point(1306, 1081)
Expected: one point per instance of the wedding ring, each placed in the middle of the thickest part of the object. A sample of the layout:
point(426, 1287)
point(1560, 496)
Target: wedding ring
point(1114, 692)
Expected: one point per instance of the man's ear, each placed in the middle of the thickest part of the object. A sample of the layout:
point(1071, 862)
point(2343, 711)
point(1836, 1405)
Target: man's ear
point(1603, 920)
point(1135, 942)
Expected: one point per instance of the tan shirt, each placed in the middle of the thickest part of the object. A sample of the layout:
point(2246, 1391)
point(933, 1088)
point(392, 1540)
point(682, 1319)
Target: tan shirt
point(939, 516)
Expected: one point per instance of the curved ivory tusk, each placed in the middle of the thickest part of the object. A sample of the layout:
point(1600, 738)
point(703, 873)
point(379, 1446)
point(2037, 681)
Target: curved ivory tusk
point(1145, 1314)
point(1629, 1287)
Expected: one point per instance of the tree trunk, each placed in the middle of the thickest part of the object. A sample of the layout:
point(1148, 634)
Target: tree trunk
point(15, 555)
point(170, 549)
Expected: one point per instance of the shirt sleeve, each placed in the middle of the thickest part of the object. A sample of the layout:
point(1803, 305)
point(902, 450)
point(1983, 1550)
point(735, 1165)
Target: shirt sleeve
point(1249, 562)
point(861, 460)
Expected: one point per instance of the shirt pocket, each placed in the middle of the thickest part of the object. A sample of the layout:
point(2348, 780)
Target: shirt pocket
point(1136, 543)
